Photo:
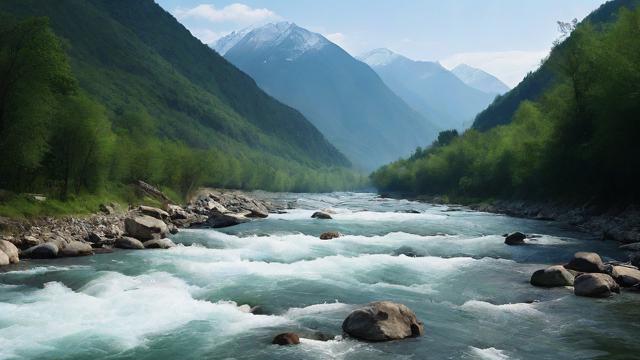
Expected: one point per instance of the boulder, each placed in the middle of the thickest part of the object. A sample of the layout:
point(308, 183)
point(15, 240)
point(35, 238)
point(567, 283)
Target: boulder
point(330, 235)
point(626, 276)
point(42, 251)
point(382, 321)
point(145, 227)
point(321, 215)
point(516, 238)
point(94, 237)
point(76, 248)
point(30, 241)
point(172, 228)
point(286, 339)
point(552, 276)
point(176, 212)
point(126, 242)
point(154, 212)
point(4, 259)
point(217, 220)
point(595, 285)
point(11, 251)
point(587, 262)
point(107, 209)
point(158, 244)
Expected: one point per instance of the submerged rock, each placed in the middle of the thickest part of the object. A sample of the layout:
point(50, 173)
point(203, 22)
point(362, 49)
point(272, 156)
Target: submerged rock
point(382, 321)
point(286, 339)
point(321, 215)
point(126, 242)
point(587, 262)
point(626, 276)
point(516, 238)
point(159, 244)
point(42, 251)
point(145, 227)
point(595, 285)
point(407, 251)
point(76, 248)
point(552, 276)
point(330, 235)
point(12, 252)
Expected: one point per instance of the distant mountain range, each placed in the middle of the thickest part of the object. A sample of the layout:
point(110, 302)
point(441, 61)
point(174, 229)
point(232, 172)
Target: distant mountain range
point(451, 99)
point(343, 97)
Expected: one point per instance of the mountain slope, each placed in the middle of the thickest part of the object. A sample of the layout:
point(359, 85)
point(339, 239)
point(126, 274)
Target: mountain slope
point(343, 97)
point(429, 88)
point(502, 110)
point(480, 79)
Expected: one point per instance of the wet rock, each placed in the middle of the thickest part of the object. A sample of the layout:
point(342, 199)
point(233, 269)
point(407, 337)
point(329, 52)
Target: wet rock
point(626, 276)
point(286, 339)
point(516, 238)
point(172, 228)
point(159, 244)
point(12, 252)
point(409, 211)
point(587, 262)
point(407, 251)
point(126, 242)
point(42, 251)
point(321, 215)
point(154, 212)
point(595, 285)
point(330, 235)
point(145, 227)
point(76, 248)
point(382, 321)
point(552, 276)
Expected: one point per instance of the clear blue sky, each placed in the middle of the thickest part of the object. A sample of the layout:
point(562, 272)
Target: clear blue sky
point(505, 37)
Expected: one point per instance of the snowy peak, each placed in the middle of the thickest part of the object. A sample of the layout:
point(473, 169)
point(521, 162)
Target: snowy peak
point(379, 57)
point(479, 79)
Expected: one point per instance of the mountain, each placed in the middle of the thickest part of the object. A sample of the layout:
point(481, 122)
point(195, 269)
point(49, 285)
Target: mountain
point(135, 58)
point(341, 96)
point(480, 79)
point(502, 110)
point(429, 88)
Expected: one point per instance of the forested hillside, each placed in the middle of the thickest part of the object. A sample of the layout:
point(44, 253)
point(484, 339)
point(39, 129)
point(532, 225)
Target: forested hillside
point(98, 92)
point(578, 141)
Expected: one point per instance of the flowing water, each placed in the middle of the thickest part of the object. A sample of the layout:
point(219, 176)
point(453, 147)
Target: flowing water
point(448, 264)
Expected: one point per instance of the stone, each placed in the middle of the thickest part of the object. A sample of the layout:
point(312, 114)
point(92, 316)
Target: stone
point(145, 227)
point(42, 251)
point(154, 212)
point(595, 285)
point(126, 242)
point(286, 339)
point(330, 235)
point(587, 262)
point(176, 212)
point(106, 209)
point(30, 241)
point(76, 248)
point(516, 238)
point(172, 228)
point(382, 321)
point(626, 276)
point(218, 220)
point(11, 251)
point(158, 244)
point(321, 215)
point(4, 259)
point(93, 237)
point(552, 276)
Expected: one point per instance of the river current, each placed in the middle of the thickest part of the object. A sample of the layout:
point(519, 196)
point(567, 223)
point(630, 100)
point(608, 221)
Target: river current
point(447, 263)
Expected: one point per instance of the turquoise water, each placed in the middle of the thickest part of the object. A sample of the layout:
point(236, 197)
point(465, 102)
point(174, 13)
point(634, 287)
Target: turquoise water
point(469, 289)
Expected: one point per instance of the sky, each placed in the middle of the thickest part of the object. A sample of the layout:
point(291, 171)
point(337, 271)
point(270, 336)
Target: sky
point(506, 38)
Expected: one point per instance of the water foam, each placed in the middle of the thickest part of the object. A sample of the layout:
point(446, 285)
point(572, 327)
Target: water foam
point(489, 353)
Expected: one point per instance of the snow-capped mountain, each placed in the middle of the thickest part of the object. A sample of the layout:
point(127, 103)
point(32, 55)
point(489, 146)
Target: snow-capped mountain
point(480, 79)
point(340, 95)
point(429, 88)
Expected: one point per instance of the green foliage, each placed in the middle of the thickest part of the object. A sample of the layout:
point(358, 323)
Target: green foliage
point(578, 141)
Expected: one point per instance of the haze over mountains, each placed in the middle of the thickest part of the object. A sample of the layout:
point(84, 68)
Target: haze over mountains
point(340, 95)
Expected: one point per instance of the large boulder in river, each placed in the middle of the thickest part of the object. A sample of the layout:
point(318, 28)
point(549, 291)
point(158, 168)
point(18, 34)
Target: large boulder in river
point(587, 262)
point(11, 251)
point(159, 244)
point(144, 227)
point(552, 276)
point(626, 276)
point(76, 248)
point(154, 212)
point(330, 235)
point(126, 242)
point(516, 238)
point(321, 215)
point(382, 321)
point(218, 220)
point(595, 285)
point(4, 259)
point(286, 339)
point(42, 251)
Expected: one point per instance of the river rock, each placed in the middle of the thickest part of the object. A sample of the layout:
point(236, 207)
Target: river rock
point(106, 209)
point(42, 251)
point(595, 285)
point(217, 220)
point(176, 212)
point(76, 248)
point(382, 321)
point(552, 276)
point(30, 241)
point(286, 339)
point(159, 244)
point(126, 242)
point(154, 212)
point(587, 262)
point(4, 259)
point(11, 251)
point(94, 237)
point(172, 228)
point(145, 227)
point(626, 276)
point(516, 238)
point(321, 215)
point(330, 235)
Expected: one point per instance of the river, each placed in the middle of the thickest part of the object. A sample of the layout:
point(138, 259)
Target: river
point(470, 290)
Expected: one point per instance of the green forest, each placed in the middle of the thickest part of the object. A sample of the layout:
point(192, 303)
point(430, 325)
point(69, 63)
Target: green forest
point(90, 102)
point(578, 141)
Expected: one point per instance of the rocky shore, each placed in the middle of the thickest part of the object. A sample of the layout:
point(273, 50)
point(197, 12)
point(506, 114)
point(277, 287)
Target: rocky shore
point(137, 227)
